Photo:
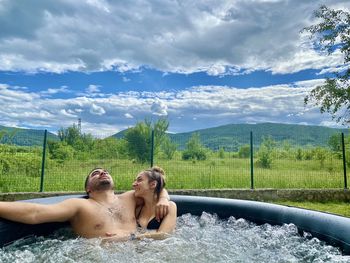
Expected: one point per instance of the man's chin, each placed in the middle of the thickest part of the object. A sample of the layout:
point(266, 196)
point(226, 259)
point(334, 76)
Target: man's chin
point(104, 185)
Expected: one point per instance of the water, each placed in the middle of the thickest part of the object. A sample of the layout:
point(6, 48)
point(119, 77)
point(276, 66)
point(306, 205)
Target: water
point(197, 239)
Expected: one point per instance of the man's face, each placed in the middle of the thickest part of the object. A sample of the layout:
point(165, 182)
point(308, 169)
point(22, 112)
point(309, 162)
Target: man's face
point(99, 180)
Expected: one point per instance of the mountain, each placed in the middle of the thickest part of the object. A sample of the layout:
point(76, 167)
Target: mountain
point(24, 137)
point(232, 136)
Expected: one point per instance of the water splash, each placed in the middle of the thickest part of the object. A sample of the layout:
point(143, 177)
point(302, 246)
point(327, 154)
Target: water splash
point(196, 239)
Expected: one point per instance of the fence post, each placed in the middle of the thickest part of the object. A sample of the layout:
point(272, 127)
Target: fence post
point(152, 147)
point(344, 161)
point(43, 163)
point(251, 162)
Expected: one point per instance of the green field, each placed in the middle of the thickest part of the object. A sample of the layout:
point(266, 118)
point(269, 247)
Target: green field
point(213, 173)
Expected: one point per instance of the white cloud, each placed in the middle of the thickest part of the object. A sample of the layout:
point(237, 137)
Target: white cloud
point(209, 106)
point(97, 110)
point(219, 37)
point(52, 91)
point(159, 108)
point(128, 116)
point(93, 88)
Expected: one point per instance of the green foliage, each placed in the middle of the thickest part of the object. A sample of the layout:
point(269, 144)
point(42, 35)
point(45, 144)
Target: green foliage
point(320, 154)
point(60, 151)
point(109, 148)
point(334, 143)
point(18, 160)
point(139, 139)
point(308, 154)
point(332, 34)
point(194, 149)
point(265, 153)
point(244, 151)
point(221, 153)
point(299, 154)
point(73, 137)
point(168, 148)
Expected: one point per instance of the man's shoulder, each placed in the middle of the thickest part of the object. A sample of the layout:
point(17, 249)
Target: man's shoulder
point(127, 195)
point(76, 201)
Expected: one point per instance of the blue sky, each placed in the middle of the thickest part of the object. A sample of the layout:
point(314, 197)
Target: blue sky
point(198, 63)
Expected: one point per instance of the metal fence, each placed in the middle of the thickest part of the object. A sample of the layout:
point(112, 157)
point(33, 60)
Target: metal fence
point(255, 163)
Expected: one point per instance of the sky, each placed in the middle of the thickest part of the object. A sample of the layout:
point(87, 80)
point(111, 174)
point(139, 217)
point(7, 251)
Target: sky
point(200, 64)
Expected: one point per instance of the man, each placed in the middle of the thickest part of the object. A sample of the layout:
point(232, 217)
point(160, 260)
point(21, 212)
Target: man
point(101, 215)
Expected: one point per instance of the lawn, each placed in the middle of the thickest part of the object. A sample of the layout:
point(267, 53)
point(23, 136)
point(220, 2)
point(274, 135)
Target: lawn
point(339, 208)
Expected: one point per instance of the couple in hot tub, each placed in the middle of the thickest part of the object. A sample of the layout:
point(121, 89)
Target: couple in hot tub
point(143, 212)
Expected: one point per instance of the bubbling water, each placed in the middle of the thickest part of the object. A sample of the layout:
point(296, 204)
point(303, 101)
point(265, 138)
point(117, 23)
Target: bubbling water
point(196, 239)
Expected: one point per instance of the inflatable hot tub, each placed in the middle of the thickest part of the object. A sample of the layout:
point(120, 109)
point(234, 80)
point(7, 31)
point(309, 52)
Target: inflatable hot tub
point(333, 229)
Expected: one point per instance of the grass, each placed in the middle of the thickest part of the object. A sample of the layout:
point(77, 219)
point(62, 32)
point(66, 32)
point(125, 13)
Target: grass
point(209, 174)
point(338, 208)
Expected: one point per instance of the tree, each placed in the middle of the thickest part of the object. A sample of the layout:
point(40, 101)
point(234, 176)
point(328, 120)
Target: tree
point(334, 142)
point(265, 152)
point(69, 135)
point(60, 151)
point(221, 153)
point(109, 148)
point(244, 151)
point(194, 149)
point(139, 139)
point(168, 148)
point(330, 35)
point(320, 154)
point(73, 137)
point(299, 154)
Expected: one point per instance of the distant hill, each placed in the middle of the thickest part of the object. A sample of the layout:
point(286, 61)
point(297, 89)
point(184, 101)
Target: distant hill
point(232, 136)
point(24, 137)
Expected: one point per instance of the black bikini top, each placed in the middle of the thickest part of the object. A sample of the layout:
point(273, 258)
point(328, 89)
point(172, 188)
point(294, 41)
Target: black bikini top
point(153, 224)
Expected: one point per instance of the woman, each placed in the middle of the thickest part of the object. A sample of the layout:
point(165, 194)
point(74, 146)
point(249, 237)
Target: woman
point(148, 185)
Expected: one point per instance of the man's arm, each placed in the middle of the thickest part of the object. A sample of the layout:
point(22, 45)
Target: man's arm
point(169, 221)
point(162, 206)
point(32, 213)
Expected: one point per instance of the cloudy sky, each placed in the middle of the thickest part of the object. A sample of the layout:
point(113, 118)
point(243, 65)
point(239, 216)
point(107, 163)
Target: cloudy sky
point(198, 63)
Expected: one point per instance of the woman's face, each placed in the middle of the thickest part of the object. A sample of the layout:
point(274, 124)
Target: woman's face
point(141, 185)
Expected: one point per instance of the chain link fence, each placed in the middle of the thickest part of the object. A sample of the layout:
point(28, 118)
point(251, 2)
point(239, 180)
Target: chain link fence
point(253, 160)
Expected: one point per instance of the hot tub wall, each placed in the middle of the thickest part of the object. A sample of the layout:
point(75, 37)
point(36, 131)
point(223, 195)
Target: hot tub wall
point(331, 228)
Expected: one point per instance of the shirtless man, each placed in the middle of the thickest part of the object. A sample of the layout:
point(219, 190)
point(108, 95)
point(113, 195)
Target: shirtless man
point(101, 215)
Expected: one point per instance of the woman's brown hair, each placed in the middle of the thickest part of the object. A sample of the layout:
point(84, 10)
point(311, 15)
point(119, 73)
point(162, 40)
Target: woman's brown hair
point(156, 174)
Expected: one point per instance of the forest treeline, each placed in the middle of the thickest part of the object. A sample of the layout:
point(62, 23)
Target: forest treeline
point(137, 145)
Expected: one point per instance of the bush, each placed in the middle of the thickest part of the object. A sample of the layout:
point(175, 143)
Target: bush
point(264, 157)
point(199, 155)
point(195, 150)
point(244, 151)
point(222, 153)
point(60, 151)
